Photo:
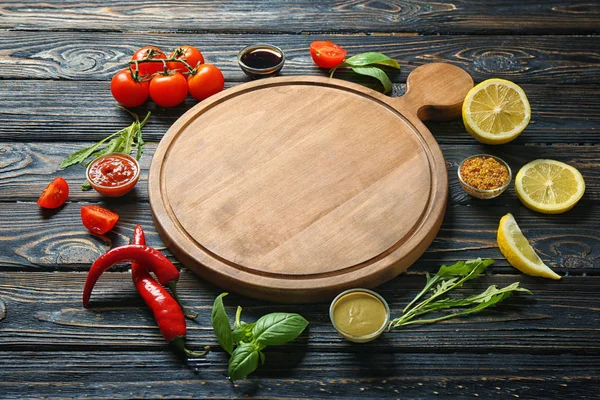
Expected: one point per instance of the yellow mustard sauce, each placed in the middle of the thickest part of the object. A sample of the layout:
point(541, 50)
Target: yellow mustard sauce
point(359, 314)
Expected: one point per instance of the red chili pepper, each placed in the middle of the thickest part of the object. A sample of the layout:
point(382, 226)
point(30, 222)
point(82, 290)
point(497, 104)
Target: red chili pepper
point(166, 310)
point(154, 260)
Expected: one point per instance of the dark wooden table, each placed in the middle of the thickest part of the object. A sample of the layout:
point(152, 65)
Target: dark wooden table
point(56, 60)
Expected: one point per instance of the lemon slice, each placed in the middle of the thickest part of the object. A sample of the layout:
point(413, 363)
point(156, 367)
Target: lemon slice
point(517, 250)
point(548, 186)
point(496, 111)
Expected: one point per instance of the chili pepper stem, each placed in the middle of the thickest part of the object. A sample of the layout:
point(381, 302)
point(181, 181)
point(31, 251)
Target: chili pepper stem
point(173, 287)
point(179, 345)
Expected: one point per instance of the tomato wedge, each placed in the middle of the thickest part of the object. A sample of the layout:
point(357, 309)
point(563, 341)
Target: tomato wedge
point(55, 194)
point(327, 54)
point(97, 219)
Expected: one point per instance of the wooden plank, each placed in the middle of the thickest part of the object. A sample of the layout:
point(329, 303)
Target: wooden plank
point(44, 312)
point(97, 56)
point(32, 238)
point(86, 111)
point(460, 16)
point(28, 167)
point(300, 375)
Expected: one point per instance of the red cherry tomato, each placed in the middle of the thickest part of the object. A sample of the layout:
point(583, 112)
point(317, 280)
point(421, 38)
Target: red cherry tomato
point(207, 81)
point(97, 219)
point(327, 54)
point(55, 194)
point(190, 54)
point(127, 91)
point(149, 68)
point(168, 90)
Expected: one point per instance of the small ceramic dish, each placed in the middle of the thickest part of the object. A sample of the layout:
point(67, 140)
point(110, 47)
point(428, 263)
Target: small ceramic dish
point(482, 193)
point(360, 314)
point(267, 60)
point(112, 167)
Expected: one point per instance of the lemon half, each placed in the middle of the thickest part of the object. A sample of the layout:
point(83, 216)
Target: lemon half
point(549, 186)
point(518, 252)
point(496, 111)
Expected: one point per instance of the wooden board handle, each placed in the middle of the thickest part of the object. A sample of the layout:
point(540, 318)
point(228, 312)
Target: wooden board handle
point(435, 92)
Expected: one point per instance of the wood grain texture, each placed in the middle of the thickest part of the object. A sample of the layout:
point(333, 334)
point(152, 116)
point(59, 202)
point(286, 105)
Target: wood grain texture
point(50, 317)
point(257, 193)
point(312, 375)
point(308, 16)
point(31, 239)
point(98, 56)
point(26, 169)
point(29, 111)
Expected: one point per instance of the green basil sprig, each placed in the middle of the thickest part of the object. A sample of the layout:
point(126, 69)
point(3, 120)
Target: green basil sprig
point(251, 339)
point(367, 64)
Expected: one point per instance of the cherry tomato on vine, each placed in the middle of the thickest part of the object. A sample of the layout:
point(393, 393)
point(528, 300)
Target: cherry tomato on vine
point(168, 90)
point(207, 81)
point(190, 54)
point(149, 68)
point(127, 91)
point(55, 194)
point(97, 219)
point(327, 54)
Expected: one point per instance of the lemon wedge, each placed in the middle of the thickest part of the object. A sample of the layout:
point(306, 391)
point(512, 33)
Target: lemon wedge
point(548, 186)
point(496, 111)
point(518, 252)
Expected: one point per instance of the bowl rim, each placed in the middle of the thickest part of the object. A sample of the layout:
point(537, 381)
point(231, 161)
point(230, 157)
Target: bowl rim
point(499, 189)
point(129, 182)
point(261, 46)
point(370, 336)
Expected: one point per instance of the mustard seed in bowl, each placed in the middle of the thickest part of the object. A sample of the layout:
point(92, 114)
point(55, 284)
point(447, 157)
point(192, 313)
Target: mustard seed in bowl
point(484, 176)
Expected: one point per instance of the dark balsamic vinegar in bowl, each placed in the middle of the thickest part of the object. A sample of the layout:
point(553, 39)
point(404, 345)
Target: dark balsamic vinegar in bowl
point(261, 60)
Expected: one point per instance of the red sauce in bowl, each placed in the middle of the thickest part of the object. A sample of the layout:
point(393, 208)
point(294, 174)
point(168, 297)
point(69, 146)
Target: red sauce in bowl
point(114, 174)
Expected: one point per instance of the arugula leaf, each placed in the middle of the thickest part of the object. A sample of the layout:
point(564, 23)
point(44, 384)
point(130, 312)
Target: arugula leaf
point(490, 297)
point(121, 141)
point(449, 278)
point(81, 155)
point(278, 328)
point(220, 323)
point(243, 362)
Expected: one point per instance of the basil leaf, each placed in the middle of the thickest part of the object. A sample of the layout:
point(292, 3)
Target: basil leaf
point(377, 74)
point(278, 328)
point(369, 58)
point(243, 361)
point(243, 333)
point(262, 357)
point(220, 323)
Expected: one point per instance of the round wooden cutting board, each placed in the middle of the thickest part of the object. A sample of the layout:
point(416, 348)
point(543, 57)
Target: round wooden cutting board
point(293, 189)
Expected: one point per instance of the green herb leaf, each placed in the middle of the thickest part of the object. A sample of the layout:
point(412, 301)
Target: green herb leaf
point(220, 323)
point(243, 333)
point(121, 141)
point(369, 58)
point(81, 155)
point(447, 279)
point(377, 74)
point(243, 361)
point(278, 328)
point(490, 297)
